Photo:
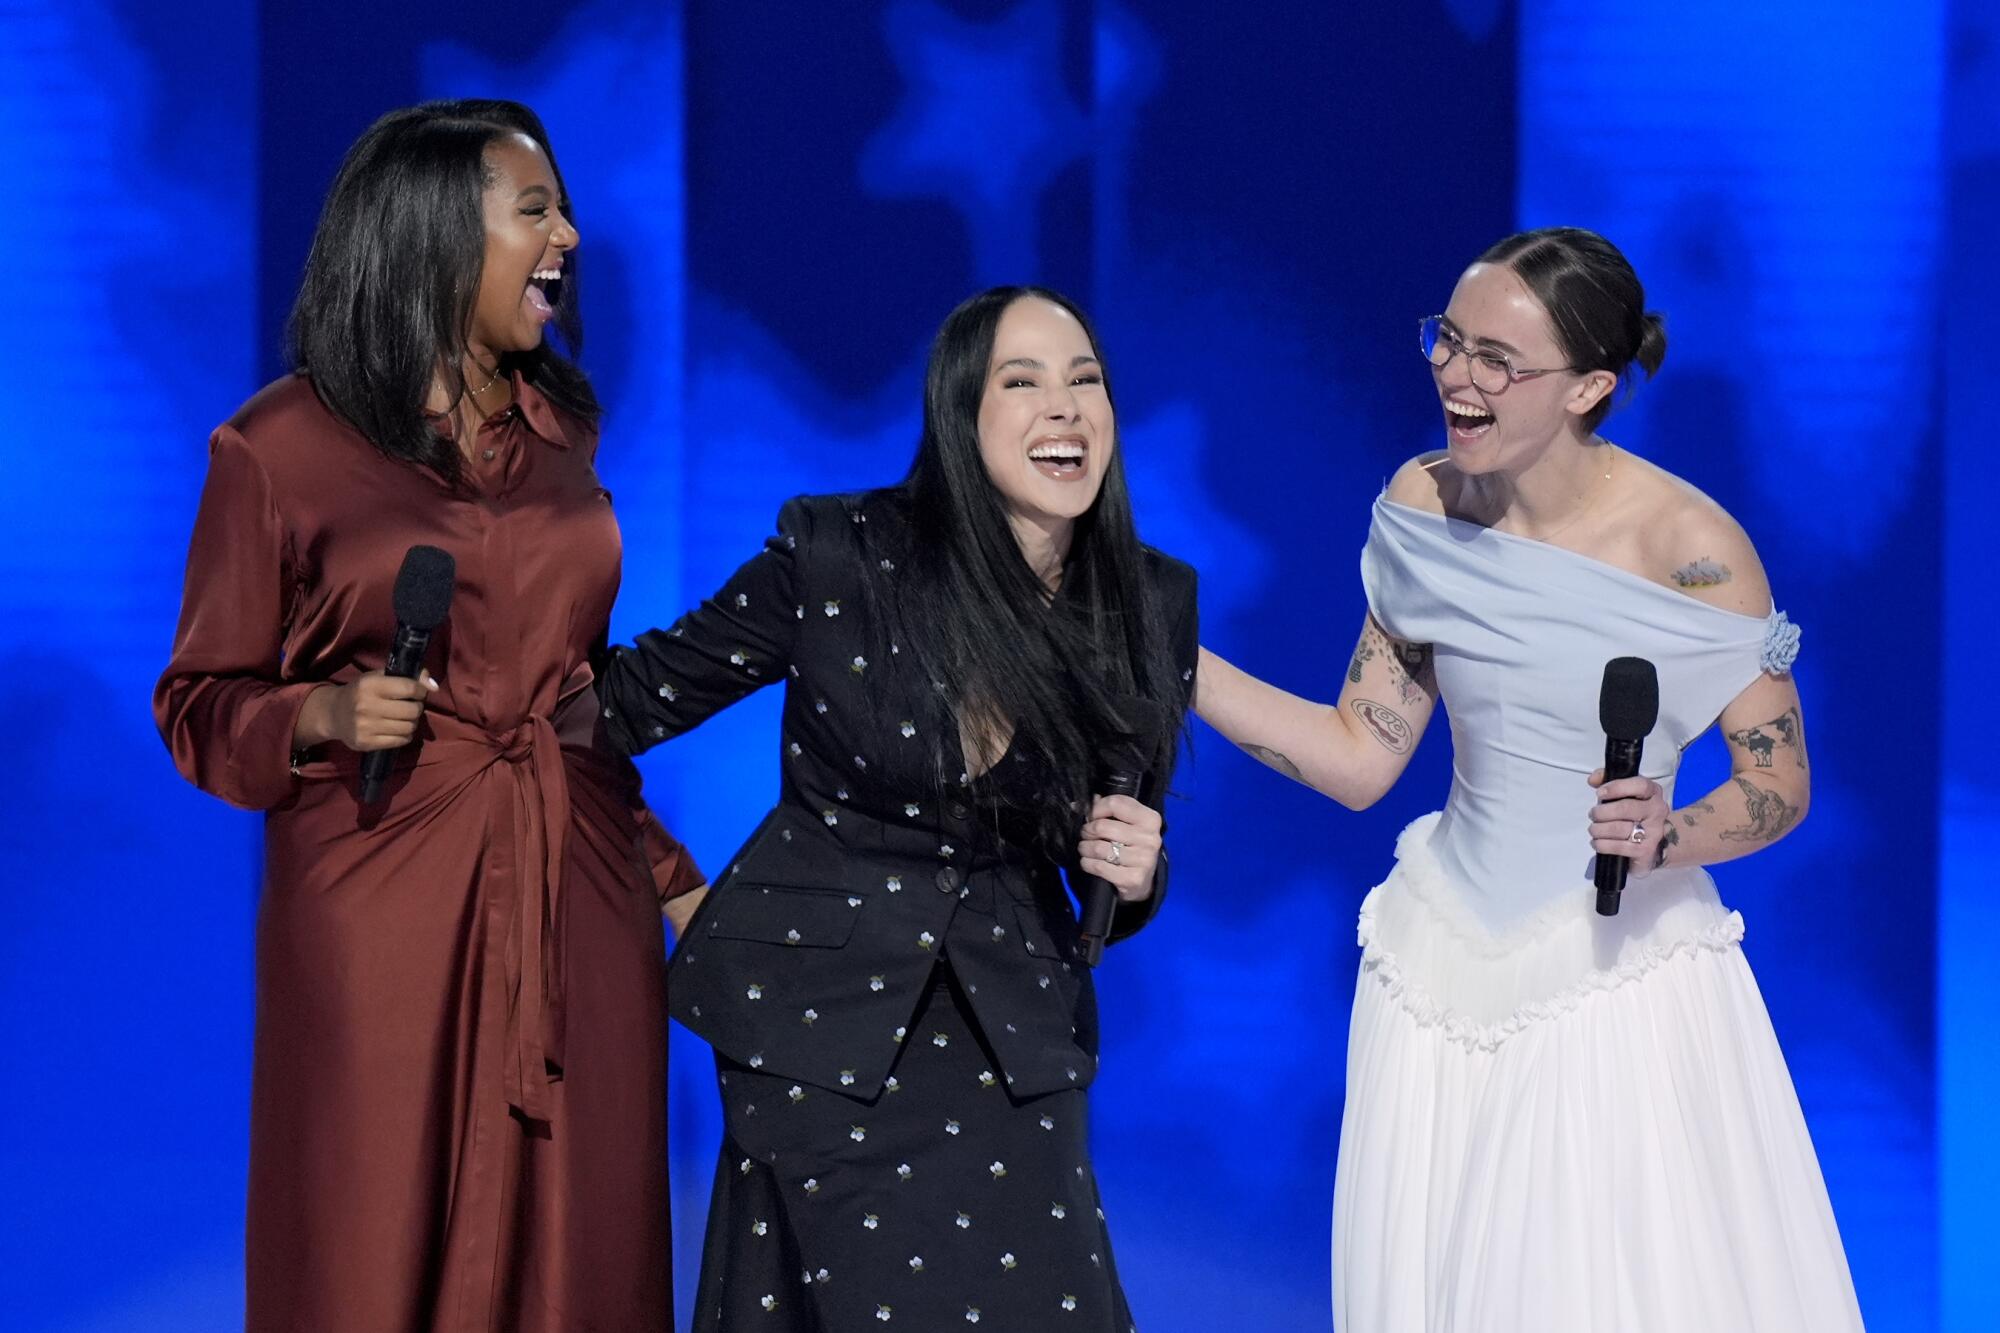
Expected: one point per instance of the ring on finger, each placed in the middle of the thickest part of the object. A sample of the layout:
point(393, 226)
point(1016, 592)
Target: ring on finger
point(1638, 832)
point(1116, 856)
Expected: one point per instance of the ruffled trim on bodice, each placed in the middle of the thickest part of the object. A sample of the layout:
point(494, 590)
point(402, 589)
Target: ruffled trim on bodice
point(1422, 942)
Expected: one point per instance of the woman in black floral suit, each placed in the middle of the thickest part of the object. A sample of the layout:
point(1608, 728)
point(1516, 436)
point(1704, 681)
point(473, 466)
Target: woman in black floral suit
point(890, 970)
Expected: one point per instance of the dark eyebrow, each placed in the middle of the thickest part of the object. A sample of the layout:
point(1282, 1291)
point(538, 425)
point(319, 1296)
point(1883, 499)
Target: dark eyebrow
point(1508, 348)
point(541, 190)
point(1032, 364)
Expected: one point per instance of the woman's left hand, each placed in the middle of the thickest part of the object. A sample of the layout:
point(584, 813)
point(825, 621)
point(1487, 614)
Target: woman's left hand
point(1629, 820)
point(1120, 844)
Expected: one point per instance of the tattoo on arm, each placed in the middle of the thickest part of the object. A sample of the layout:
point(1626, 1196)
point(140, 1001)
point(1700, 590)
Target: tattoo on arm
point(1764, 740)
point(1410, 666)
point(1276, 760)
point(1371, 642)
point(1687, 815)
point(1771, 815)
point(1384, 724)
point(1668, 839)
point(1702, 573)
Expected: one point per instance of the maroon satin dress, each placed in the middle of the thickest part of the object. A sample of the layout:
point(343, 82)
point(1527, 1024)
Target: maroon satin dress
point(458, 1115)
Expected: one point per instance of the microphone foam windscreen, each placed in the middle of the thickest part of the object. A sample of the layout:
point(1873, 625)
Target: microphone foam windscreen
point(1629, 703)
point(423, 587)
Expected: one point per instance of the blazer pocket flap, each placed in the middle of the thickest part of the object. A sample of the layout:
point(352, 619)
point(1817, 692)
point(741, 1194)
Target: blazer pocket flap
point(774, 914)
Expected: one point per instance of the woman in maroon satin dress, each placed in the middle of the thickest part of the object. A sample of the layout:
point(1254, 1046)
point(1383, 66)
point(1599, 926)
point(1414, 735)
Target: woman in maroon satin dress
point(458, 1117)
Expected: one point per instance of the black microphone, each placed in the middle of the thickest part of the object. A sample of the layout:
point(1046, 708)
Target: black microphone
point(1121, 767)
point(1628, 706)
point(423, 595)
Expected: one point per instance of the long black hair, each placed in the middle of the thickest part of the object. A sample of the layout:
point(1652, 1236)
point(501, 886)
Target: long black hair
point(1595, 302)
point(1007, 654)
point(394, 271)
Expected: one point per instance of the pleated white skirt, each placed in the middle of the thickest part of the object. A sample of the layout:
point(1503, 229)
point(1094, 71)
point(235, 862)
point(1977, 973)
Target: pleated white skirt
point(1585, 1125)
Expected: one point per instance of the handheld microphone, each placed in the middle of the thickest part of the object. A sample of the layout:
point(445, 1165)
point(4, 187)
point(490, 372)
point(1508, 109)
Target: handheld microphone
point(1121, 767)
point(423, 594)
point(1628, 706)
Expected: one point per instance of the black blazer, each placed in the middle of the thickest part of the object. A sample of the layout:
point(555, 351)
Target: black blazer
point(809, 957)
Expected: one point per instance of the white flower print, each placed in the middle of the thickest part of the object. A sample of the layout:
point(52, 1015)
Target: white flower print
point(971, 1314)
point(895, 884)
point(903, 1171)
point(998, 1169)
point(891, 1085)
point(755, 991)
point(999, 932)
point(964, 1221)
point(812, 1186)
point(887, 566)
point(857, 1133)
point(669, 693)
point(1069, 1302)
point(736, 658)
point(847, 1078)
point(876, 984)
point(882, 1313)
point(840, 794)
point(742, 600)
point(859, 665)
point(870, 1221)
point(796, 749)
point(854, 902)
point(819, 706)
point(902, 1033)
point(797, 1093)
point(926, 940)
point(822, 1275)
point(946, 849)
point(830, 817)
point(1007, 1261)
point(809, 1016)
point(908, 728)
point(860, 763)
point(769, 1302)
point(951, 1127)
point(939, 1039)
point(743, 1166)
point(916, 1263)
point(1047, 1123)
point(833, 608)
point(1058, 1212)
point(986, 1079)
point(793, 937)
point(1043, 982)
point(756, 1061)
point(759, 1227)
point(910, 809)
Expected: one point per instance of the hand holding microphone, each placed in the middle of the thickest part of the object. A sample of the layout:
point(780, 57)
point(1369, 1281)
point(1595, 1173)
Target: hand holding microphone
point(1630, 817)
point(1118, 848)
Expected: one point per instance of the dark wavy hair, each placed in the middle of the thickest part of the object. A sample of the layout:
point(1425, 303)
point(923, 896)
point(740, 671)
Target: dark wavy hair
point(394, 271)
point(1595, 302)
point(1007, 654)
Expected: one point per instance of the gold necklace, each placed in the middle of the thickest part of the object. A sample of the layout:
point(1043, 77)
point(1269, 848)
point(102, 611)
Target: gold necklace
point(492, 380)
point(1611, 451)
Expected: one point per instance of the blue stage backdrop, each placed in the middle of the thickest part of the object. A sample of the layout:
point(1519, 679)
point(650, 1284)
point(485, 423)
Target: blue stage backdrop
point(779, 203)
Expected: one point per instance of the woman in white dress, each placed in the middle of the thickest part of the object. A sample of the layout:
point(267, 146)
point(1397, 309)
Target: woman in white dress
point(1558, 1121)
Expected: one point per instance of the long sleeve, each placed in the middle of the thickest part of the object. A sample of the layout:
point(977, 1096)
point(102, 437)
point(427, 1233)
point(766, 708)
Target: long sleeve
point(738, 641)
point(221, 706)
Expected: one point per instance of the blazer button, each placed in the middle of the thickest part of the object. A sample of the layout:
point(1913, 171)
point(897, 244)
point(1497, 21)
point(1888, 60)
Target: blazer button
point(948, 879)
point(958, 812)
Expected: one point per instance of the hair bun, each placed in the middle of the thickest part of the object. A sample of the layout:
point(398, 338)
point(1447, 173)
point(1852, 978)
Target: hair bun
point(1652, 343)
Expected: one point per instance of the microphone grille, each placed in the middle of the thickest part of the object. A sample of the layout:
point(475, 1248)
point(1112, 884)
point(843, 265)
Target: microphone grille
point(1629, 703)
point(423, 587)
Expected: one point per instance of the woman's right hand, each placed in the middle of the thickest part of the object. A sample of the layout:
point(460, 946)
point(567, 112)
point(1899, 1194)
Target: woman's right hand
point(372, 712)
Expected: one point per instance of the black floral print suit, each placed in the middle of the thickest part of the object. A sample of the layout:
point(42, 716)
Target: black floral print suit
point(889, 918)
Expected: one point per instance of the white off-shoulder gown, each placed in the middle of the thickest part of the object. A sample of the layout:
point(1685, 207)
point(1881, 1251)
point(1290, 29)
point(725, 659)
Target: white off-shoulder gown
point(1558, 1122)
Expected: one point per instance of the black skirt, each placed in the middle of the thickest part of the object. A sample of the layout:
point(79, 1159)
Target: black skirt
point(940, 1203)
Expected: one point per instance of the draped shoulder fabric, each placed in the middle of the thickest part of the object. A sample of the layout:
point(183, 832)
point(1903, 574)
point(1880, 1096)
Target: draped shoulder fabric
point(1558, 1121)
point(457, 1113)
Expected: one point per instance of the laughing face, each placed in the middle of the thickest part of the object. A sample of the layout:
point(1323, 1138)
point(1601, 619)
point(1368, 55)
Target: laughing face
point(1493, 423)
point(527, 238)
point(1045, 424)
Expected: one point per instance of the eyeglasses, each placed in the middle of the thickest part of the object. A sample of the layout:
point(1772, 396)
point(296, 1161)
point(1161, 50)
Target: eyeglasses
point(1491, 371)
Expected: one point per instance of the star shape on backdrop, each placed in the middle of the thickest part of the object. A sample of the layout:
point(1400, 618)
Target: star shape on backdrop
point(986, 122)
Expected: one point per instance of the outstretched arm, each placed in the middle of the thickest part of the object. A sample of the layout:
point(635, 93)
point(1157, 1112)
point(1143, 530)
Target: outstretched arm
point(1352, 751)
